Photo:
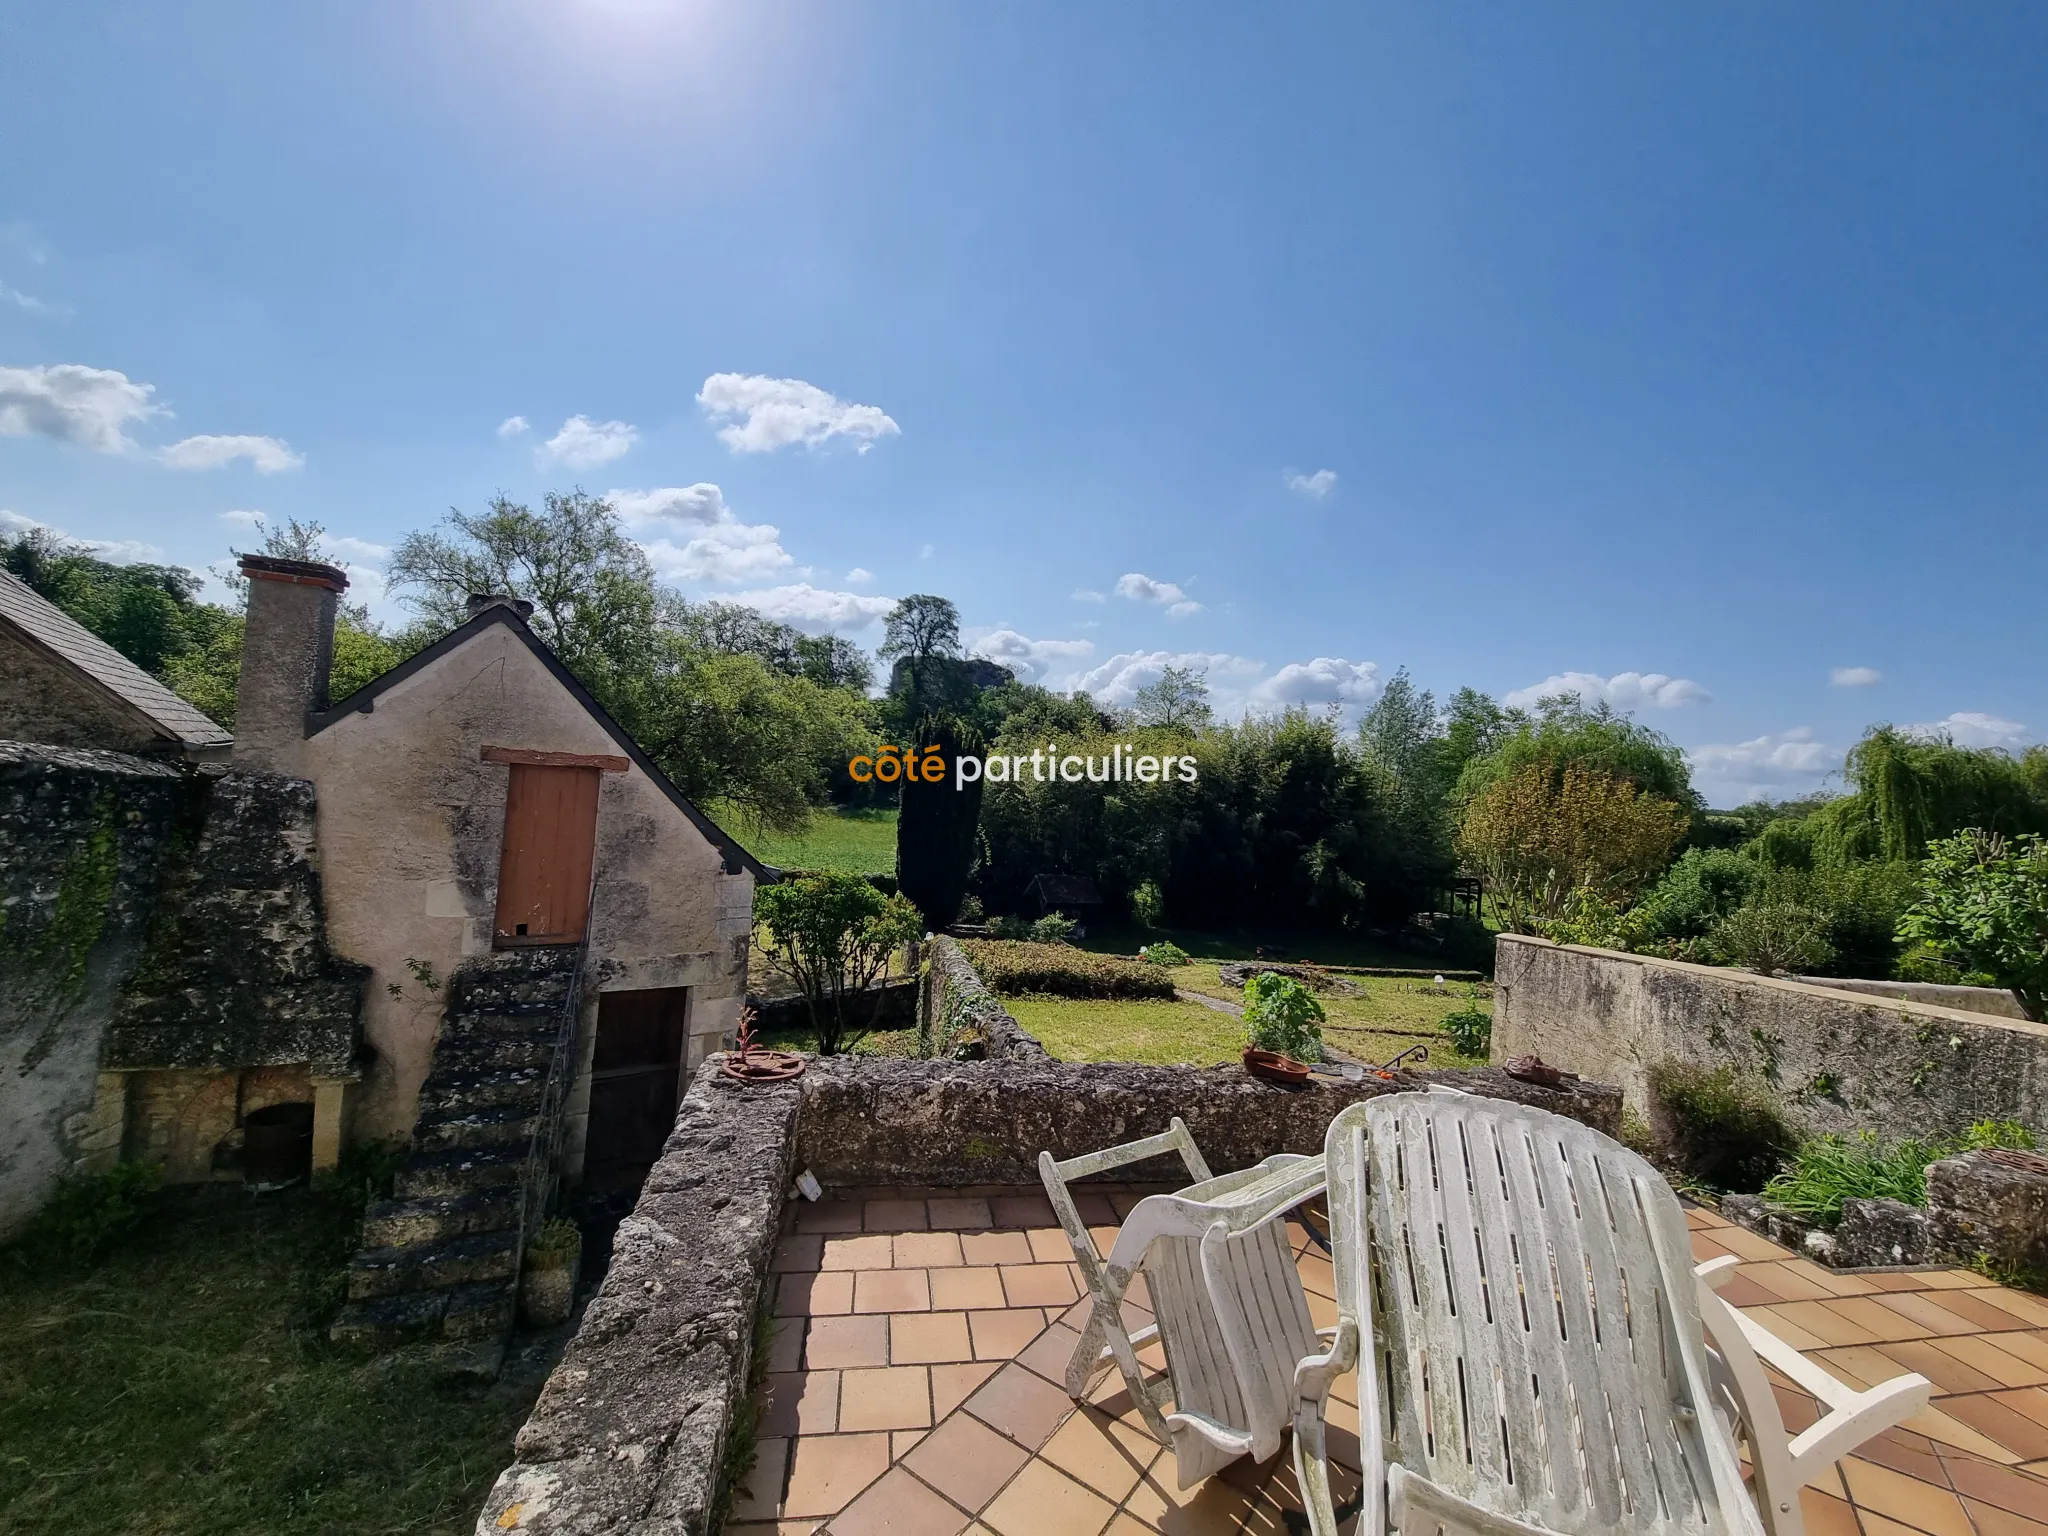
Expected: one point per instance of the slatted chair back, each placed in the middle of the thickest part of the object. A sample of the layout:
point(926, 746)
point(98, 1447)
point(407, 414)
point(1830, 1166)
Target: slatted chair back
point(1535, 1341)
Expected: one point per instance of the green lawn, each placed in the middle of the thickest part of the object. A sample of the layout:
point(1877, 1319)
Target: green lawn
point(859, 842)
point(1390, 1015)
point(1320, 948)
point(183, 1384)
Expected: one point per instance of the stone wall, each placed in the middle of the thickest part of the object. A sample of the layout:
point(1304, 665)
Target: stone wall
point(1839, 1061)
point(43, 700)
point(953, 1003)
point(83, 835)
point(1996, 1001)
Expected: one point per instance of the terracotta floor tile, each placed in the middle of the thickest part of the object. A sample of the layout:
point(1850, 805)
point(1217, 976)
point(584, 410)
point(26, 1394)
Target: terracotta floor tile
point(1878, 1525)
point(786, 1345)
point(995, 1247)
point(1997, 1418)
point(1023, 1406)
point(835, 1343)
point(895, 1216)
point(871, 1250)
point(2032, 1311)
point(1049, 1245)
point(1954, 1279)
point(1907, 1452)
point(759, 1494)
point(1948, 1373)
point(1881, 1316)
point(953, 1384)
point(1096, 1210)
point(2003, 1486)
point(2036, 1468)
point(828, 1216)
point(1826, 1516)
point(1921, 1308)
point(796, 1254)
point(800, 1403)
point(1993, 1521)
point(1818, 1321)
point(773, 1528)
point(1833, 1281)
point(814, 1295)
point(1785, 1282)
point(2034, 1404)
point(1997, 1356)
point(1741, 1290)
point(1022, 1211)
point(826, 1472)
point(1041, 1500)
point(899, 1505)
point(966, 1461)
point(1859, 1365)
point(887, 1397)
point(928, 1338)
point(2031, 1345)
point(1039, 1285)
point(1317, 1275)
point(1975, 1308)
point(960, 1215)
point(1747, 1244)
point(1210, 1508)
point(1902, 1280)
point(1933, 1424)
point(1000, 1335)
point(1101, 1453)
point(1885, 1492)
point(967, 1290)
point(892, 1290)
point(927, 1250)
point(1049, 1353)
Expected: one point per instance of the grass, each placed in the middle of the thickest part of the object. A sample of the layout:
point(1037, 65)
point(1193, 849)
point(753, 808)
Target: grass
point(1390, 1015)
point(183, 1383)
point(1322, 948)
point(859, 842)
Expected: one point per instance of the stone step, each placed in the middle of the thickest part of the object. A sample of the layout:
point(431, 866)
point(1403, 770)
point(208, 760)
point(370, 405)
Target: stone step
point(458, 1092)
point(436, 1266)
point(461, 1171)
point(478, 1030)
point(429, 1218)
point(383, 1322)
point(501, 1125)
point(477, 1053)
point(479, 1311)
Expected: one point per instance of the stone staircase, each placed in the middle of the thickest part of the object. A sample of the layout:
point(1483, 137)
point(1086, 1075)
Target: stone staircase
point(440, 1259)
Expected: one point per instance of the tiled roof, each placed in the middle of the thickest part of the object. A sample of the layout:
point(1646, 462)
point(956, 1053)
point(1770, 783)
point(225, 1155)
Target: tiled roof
point(50, 628)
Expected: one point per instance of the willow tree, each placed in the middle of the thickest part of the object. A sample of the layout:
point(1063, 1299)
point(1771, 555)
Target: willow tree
point(1911, 790)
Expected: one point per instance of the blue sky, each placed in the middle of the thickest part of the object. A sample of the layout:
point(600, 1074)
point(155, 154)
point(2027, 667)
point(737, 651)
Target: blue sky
point(1695, 354)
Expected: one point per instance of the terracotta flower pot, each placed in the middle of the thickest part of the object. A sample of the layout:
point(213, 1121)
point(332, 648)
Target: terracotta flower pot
point(1274, 1067)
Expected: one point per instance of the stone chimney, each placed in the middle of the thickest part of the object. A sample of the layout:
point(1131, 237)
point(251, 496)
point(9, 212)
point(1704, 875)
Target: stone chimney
point(481, 601)
point(287, 648)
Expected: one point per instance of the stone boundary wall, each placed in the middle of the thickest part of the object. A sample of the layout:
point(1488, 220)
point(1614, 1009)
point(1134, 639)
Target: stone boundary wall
point(1838, 1061)
point(630, 1431)
point(1996, 1001)
point(953, 999)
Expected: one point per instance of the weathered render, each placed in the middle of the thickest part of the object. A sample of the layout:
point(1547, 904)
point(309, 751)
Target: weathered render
point(1839, 1061)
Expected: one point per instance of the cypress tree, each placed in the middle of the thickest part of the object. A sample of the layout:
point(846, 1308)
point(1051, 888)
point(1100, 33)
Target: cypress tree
point(935, 830)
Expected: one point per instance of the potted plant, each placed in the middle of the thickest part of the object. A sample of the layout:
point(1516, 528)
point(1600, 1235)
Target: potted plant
point(547, 1285)
point(1283, 1026)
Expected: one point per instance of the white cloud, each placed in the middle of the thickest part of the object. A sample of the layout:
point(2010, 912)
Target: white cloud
point(1972, 728)
point(32, 304)
point(1326, 680)
point(1089, 595)
point(113, 551)
point(816, 611)
point(1117, 680)
point(716, 546)
point(243, 517)
point(926, 551)
point(1032, 660)
point(763, 414)
point(91, 407)
point(859, 576)
point(585, 444)
point(1854, 677)
point(512, 426)
point(1315, 487)
point(1164, 594)
point(1624, 690)
point(268, 454)
point(700, 505)
point(1778, 765)
point(342, 547)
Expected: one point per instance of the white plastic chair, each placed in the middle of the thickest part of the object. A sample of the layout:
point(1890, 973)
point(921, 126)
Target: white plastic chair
point(1226, 1298)
point(1538, 1361)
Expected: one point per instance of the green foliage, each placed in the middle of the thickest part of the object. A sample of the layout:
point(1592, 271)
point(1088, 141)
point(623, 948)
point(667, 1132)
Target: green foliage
point(1059, 970)
point(1148, 904)
point(1772, 938)
point(1831, 1169)
point(557, 1238)
point(1592, 920)
point(1565, 733)
point(1470, 1028)
point(1177, 701)
point(936, 829)
point(1704, 886)
point(1726, 1131)
point(1054, 928)
point(1282, 1014)
point(1909, 791)
point(90, 1211)
point(1013, 927)
point(1165, 952)
point(1985, 906)
point(834, 933)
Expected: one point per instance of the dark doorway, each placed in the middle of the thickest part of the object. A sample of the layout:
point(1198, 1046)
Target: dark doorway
point(550, 843)
point(636, 1079)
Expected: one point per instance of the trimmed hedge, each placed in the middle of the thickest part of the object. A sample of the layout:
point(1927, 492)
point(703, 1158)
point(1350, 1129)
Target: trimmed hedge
point(1060, 970)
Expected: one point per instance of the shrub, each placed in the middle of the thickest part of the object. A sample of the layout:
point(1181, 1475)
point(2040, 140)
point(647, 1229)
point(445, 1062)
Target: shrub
point(1281, 1014)
point(1831, 1169)
point(1012, 927)
point(834, 933)
point(556, 1238)
point(89, 1212)
point(1779, 936)
point(971, 910)
point(1727, 1132)
point(1986, 906)
point(1167, 953)
point(1053, 928)
point(1060, 970)
point(1148, 906)
point(1471, 1028)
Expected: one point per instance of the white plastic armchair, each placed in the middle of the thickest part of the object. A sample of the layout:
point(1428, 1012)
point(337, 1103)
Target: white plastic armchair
point(1536, 1359)
point(1226, 1299)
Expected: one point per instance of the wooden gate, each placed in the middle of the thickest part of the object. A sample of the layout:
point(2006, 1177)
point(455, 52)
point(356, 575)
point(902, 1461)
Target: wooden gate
point(636, 1080)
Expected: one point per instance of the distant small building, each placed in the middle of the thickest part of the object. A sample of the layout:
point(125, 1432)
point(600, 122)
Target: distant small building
point(63, 686)
point(1074, 895)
